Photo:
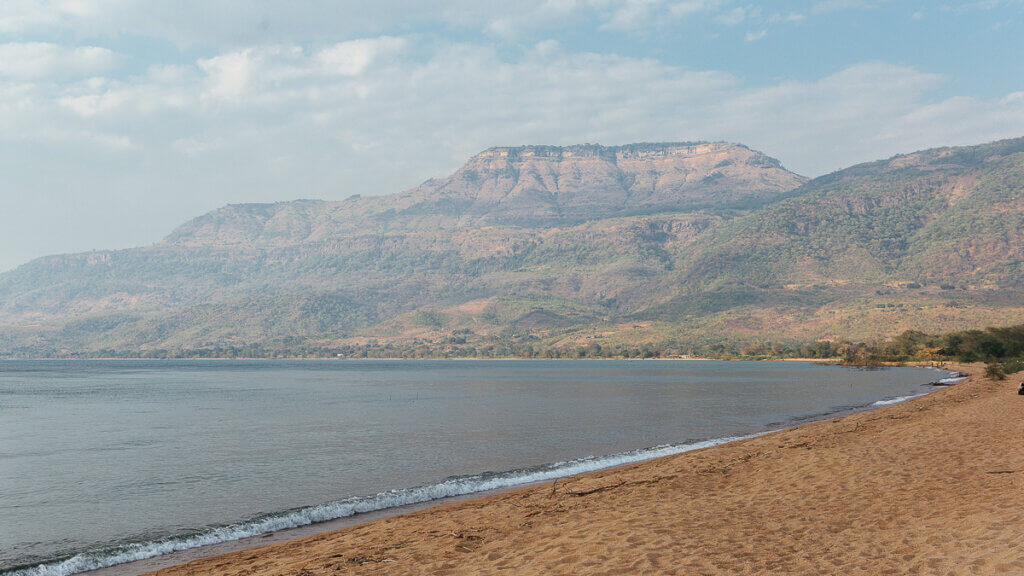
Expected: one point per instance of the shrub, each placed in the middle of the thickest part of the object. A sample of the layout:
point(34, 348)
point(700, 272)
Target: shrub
point(1013, 366)
point(995, 371)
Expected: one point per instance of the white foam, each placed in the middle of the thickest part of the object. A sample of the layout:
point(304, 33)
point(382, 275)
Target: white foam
point(349, 506)
point(951, 377)
point(895, 400)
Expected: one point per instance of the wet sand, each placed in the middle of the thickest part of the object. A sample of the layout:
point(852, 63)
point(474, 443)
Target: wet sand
point(931, 486)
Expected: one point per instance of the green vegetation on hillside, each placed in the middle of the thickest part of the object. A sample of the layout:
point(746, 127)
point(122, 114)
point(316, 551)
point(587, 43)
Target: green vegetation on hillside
point(643, 251)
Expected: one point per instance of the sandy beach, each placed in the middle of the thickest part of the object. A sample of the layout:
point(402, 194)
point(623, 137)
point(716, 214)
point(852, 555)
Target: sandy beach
point(934, 485)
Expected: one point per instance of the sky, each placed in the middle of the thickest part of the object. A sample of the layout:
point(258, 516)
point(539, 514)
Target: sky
point(121, 119)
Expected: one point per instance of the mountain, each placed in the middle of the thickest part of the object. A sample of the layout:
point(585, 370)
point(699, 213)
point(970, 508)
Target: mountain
point(945, 215)
point(530, 186)
point(679, 246)
point(928, 241)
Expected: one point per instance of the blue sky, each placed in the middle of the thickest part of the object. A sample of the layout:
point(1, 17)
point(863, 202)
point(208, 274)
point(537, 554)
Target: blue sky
point(121, 119)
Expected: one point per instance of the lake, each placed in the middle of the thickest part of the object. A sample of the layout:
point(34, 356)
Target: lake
point(103, 462)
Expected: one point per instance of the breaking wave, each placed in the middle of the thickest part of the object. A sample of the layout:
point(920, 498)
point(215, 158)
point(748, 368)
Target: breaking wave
point(895, 400)
point(454, 486)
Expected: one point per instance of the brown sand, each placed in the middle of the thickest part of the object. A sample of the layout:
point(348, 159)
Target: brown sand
point(930, 486)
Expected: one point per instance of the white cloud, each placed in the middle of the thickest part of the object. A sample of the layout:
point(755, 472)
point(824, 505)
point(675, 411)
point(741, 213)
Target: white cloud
point(19, 15)
point(233, 24)
point(634, 15)
point(90, 105)
point(733, 17)
point(381, 114)
point(237, 23)
point(160, 89)
point(689, 7)
point(229, 76)
point(252, 73)
point(272, 74)
point(35, 60)
point(355, 56)
point(438, 103)
point(755, 36)
point(792, 17)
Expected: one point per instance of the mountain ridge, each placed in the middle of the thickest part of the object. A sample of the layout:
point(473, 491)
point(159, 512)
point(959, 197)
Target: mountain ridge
point(920, 241)
point(527, 186)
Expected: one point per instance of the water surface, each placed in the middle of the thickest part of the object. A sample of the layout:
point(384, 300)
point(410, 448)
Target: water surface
point(97, 454)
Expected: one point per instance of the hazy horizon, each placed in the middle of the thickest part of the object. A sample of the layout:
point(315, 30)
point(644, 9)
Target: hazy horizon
point(124, 120)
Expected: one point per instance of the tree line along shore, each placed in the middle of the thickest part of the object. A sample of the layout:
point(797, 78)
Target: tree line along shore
point(1002, 348)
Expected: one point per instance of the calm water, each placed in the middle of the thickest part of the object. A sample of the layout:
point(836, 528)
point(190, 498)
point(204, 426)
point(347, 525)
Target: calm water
point(94, 455)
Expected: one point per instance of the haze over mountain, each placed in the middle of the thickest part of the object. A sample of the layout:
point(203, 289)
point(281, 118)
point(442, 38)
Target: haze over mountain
point(538, 247)
point(529, 186)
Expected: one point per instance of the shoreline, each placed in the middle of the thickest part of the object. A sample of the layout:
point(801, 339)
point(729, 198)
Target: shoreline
point(610, 462)
point(507, 481)
point(453, 358)
point(938, 364)
point(931, 485)
point(147, 565)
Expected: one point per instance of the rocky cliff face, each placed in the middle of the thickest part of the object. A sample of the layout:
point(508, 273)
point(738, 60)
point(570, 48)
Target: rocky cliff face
point(529, 186)
point(545, 185)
